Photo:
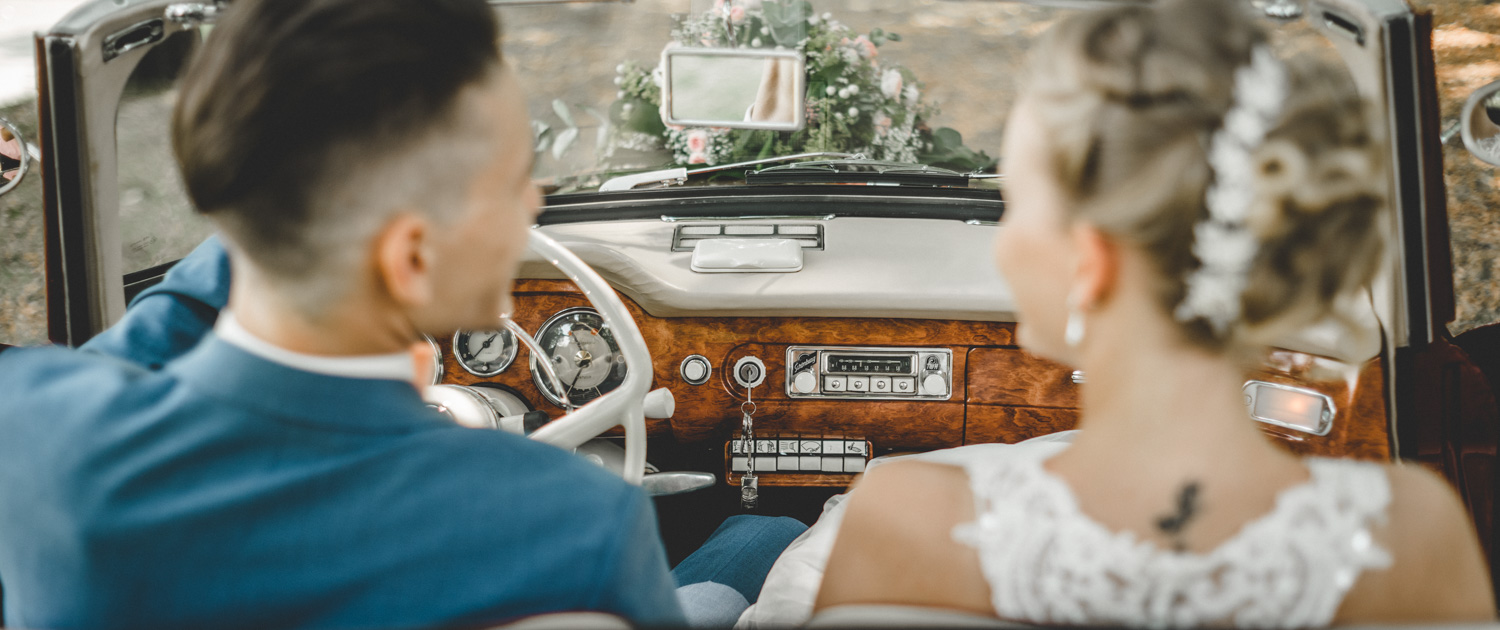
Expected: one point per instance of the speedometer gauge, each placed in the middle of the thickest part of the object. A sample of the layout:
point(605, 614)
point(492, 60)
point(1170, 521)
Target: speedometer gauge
point(485, 352)
point(584, 355)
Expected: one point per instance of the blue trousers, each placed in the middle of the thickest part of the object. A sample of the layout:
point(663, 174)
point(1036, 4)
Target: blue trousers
point(723, 577)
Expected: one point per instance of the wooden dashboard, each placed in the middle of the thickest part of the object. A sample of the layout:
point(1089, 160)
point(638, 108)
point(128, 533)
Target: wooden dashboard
point(1002, 393)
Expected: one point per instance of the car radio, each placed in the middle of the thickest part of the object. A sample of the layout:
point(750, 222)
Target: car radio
point(869, 373)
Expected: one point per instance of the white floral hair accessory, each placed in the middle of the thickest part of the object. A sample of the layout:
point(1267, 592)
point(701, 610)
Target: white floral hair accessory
point(1222, 241)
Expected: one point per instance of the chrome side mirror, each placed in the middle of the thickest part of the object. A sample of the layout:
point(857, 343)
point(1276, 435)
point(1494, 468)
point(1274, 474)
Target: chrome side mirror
point(734, 88)
point(15, 157)
point(1481, 123)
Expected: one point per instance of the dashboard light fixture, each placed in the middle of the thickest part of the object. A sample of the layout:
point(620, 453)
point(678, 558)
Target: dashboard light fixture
point(1289, 407)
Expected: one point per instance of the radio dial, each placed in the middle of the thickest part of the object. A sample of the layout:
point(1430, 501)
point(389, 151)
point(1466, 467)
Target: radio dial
point(804, 382)
point(934, 385)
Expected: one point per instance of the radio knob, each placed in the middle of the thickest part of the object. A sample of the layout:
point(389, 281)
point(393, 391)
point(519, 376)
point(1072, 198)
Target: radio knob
point(804, 382)
point(934, 385)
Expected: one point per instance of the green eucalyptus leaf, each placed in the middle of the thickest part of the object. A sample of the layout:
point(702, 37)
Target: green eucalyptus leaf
point(601, 140)
point(564, 142)
point(563, 113)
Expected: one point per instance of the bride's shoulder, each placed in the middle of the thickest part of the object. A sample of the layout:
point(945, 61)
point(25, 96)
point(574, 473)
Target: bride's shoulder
point(1437, 570)
point(895, 543)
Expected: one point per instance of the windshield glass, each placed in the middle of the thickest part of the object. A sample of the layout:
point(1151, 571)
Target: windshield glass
point(924, 82)
point(919, 81)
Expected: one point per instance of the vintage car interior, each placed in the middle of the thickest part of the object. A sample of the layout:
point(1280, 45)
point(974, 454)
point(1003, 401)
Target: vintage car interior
point(744, 329)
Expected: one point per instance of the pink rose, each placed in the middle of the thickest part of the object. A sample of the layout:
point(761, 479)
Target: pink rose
point(866, 47)
point(697, 141)
point(737, 14)
point(882, 123)
point(697, 158)
point(11, 149)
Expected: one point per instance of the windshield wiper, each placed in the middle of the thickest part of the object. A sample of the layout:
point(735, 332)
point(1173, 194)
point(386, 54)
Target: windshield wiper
point(856, 171)
point(680, 175)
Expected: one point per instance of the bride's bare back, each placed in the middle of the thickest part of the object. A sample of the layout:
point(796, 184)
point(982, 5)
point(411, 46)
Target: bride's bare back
point(897, 543)
point(1108, 171)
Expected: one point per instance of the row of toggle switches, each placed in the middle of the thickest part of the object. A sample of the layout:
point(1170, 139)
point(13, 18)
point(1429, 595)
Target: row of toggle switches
point(801, 454)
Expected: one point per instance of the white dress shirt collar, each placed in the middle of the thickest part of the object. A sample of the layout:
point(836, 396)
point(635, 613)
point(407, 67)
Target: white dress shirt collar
point(398, 366)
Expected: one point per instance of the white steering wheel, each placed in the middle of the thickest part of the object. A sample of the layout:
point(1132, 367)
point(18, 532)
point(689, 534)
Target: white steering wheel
point(625, 406)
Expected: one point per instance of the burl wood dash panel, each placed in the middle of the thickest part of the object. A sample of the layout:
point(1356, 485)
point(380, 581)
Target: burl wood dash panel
point(711, 410)
point(1001, 393)
point(1014, 396)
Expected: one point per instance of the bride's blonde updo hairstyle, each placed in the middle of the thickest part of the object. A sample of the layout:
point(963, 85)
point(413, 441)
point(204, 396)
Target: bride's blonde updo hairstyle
point(1130, 98)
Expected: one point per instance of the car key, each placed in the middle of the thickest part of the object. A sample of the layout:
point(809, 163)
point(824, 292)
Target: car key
point(749, 488)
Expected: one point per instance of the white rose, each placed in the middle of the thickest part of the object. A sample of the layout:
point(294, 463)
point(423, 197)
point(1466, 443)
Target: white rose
point(891, 83)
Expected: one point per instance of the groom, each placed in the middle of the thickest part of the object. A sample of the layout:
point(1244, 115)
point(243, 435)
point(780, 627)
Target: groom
point(367, 165)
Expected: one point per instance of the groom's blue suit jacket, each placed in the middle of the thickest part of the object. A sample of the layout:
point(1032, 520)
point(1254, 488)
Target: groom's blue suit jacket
point(162, 478)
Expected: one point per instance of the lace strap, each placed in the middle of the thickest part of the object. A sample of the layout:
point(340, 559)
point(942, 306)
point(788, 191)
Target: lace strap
point(1361, 489)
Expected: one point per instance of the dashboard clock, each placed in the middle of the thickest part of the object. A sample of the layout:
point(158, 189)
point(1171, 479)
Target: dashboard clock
point(485, 352)
point(584, 355)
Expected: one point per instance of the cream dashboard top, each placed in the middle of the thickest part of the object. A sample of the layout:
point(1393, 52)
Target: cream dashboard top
point(868, 267)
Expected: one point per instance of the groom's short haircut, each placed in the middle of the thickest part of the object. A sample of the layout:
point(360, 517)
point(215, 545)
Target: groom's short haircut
point(303, 124)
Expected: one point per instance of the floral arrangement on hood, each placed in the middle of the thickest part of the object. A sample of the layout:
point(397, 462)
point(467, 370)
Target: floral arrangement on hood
point(857, 101)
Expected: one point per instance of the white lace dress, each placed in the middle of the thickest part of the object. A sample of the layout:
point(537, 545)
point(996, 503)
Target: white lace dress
point(1047, 562)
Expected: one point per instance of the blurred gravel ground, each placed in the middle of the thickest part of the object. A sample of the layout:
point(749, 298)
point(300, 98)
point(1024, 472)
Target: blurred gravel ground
point(967, 53)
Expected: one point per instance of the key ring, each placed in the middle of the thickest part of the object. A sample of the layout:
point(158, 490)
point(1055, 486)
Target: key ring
point(751, 412)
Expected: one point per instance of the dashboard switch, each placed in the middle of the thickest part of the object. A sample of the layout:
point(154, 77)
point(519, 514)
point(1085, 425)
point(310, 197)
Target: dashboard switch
point(934, 385)
point(749, 372)
point(695, 369)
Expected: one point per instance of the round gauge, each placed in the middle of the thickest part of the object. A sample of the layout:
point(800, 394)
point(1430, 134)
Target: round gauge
point(437, 360)
point(583, 354)
point(485, 352)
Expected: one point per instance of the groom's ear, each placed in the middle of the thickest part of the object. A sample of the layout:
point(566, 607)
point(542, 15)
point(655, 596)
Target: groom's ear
point(403, 253)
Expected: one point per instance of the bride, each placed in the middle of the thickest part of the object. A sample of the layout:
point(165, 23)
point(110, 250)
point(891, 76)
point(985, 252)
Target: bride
point(1178, 198)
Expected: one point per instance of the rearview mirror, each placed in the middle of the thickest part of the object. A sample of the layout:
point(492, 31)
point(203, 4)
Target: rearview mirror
point(14, 158)
point(734, 88)
point(1481, 123)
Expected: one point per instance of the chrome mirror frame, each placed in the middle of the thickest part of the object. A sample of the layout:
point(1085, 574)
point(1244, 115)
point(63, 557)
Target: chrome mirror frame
point(1472, 120)
point(799, 86)
point(26, 149)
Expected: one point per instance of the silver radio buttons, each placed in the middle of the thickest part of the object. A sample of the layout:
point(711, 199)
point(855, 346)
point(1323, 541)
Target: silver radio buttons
point(880, 384)
point(804, 382)
point(903, 384)
point(859, 383)
point(935, 385)
point(835, 383)
point(695, 369)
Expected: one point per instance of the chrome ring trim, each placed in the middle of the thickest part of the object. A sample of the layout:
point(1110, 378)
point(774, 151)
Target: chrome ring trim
point(515, 349)
point(536, 376)
point(707, 373)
